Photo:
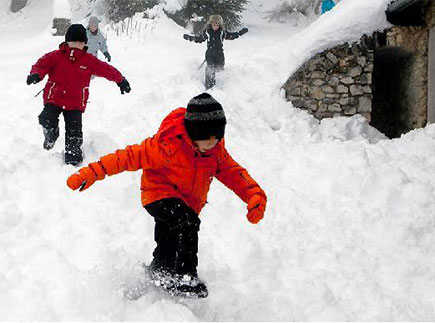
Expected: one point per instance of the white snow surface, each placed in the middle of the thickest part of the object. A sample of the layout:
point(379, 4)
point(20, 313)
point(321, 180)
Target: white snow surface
point(348, 232)
point(62, 9)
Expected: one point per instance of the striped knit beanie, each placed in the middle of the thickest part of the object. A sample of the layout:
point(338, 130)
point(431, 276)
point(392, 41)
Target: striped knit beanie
point(204, 118)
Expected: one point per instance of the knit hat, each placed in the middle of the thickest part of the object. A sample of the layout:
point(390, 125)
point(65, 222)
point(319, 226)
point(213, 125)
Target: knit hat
point(76, 32)
point(93, 21)
point(204, 118)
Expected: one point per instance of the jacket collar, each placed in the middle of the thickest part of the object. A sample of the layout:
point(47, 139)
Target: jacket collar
point(74, 54)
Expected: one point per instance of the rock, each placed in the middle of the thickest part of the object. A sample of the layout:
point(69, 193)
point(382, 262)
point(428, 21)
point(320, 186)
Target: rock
point(332, 58)
point(342, 89)
point(364, 104)
point(334, 81)
point(356, 71)
point(347, 80)
point(335, 107)
point(356, 90)
point(317, 93)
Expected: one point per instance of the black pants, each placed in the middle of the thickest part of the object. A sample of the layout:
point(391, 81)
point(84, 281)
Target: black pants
point(176, 235)
point(210, 74)
point(49, 119)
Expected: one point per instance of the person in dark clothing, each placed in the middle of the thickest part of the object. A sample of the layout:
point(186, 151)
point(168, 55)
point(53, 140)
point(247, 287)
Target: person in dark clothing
point(69, 71)
point(214, 33)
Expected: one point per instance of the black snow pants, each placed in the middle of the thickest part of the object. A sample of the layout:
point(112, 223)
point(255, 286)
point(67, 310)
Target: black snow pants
point(210, 74)
point(49, 120)
point(176, 235)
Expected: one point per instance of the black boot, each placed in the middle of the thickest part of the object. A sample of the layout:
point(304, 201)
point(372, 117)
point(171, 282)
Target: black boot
point(179, 285)
point(73, 152)
point(50, 137)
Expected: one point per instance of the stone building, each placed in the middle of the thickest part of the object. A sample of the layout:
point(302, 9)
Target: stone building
point(389, 77)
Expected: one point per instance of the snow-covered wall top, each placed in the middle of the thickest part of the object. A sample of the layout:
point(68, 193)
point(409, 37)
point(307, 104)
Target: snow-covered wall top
point(62, 9)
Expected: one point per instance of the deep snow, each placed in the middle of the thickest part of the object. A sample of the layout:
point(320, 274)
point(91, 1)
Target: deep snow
point(349, 229)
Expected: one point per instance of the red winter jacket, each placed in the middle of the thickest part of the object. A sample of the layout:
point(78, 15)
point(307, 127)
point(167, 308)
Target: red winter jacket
point(172, 167)
point(69, 73)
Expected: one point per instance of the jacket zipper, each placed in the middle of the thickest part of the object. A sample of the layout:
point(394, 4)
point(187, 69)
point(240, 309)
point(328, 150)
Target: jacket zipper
point(195, 163)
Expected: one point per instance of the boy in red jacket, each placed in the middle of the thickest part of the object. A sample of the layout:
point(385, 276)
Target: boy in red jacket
point(69, 71)
point(178, 165)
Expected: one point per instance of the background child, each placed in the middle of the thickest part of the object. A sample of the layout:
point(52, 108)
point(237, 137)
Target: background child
point(69, 71)
point(96, 40)
point(178, 165)
point(214, 34)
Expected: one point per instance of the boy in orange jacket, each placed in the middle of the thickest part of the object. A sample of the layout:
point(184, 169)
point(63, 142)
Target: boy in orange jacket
point(178, 165)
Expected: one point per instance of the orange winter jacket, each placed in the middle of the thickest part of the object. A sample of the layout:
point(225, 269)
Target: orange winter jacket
point(172, 167)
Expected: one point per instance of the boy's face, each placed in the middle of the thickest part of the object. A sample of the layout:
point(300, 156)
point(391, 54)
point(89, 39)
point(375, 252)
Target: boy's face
point(215, 26)
point(93, 28)
point(204, 145)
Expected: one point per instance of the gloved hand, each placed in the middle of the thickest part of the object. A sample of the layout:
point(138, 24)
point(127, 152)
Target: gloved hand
point(188, 37)
point(124, 86)
point(107, 55)
point(256, 207)
point(243, 31)
point(81, 180)
point(33, 79)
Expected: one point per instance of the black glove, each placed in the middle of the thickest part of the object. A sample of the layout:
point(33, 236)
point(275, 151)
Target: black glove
point(107, 55)
point(33, 79)
point(243, 31)
point(124, 86)
point(188, 37)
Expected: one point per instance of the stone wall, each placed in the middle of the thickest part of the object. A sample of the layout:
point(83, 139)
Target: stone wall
point(60, 26)
point(336, 82)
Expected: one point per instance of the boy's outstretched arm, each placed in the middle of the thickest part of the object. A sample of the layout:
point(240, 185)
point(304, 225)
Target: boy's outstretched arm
point(236, 178)
point(42, 67)
point(102, 69)
point(131, 158)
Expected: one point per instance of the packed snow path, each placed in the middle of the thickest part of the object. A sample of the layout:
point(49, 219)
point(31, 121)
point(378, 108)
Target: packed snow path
point(349, 228)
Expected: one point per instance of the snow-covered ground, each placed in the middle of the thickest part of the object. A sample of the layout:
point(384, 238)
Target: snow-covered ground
point(348, 232)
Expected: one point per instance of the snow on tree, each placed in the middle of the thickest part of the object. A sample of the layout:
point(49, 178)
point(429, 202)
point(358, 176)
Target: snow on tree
point(197, 12)
point(294, 10)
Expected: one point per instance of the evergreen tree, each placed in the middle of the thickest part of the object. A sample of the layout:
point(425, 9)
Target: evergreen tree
point(229, 10)
point(121, 9)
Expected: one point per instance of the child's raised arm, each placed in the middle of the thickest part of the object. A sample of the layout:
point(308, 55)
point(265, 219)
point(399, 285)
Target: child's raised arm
point(42, 67)
point(233, 35)
point(237, 179)
point(196, 38)
point(132, 158)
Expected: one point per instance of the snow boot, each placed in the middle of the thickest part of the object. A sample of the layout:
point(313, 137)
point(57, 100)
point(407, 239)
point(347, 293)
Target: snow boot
point(50, 137)
point(73, 152)
point(185, 286)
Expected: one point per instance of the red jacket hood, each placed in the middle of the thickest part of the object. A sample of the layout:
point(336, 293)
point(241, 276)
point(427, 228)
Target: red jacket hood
point(173, 124)
point(73, 53)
